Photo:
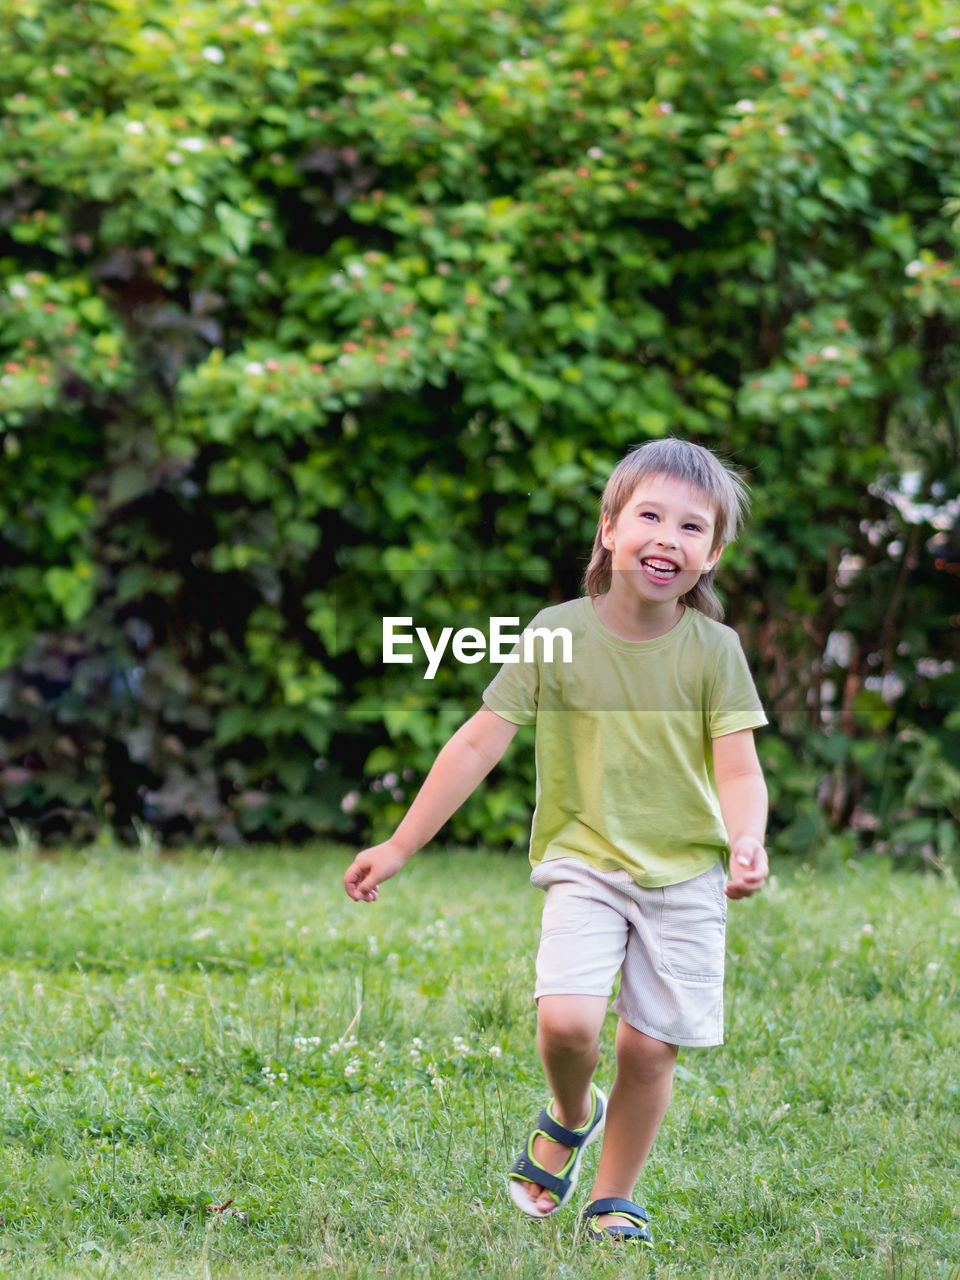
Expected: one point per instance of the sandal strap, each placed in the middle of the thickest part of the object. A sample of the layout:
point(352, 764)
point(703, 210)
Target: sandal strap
point(559, 1132)
point(626, 1209)
point(574, 1138)
point(616, 1230)
point(528, 1171)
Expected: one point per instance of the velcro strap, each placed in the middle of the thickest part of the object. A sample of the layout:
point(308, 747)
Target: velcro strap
point(558, 1132)
point(612, 1205)
point(616, 1229)
point(527, 1171)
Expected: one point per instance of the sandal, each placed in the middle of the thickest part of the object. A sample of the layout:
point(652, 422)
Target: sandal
point(562, 1185)
point(636, 1233)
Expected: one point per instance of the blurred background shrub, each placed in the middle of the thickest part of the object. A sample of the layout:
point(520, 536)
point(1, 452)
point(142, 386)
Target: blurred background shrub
point(317, 312)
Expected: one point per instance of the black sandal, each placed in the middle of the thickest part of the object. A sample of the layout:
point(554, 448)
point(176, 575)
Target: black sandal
point(636, 1233)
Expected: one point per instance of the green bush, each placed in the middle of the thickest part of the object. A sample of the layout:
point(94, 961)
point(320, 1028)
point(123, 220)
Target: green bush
point(314, 313)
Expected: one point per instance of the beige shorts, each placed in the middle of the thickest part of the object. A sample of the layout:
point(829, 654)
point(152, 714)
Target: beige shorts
point(667, 945)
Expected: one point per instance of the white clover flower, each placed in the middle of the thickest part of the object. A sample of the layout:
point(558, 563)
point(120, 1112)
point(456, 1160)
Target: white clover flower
point(417, 1042)
point(830, 353)
point(135, 126)
point(352, 798)
point(254, 368)
point(357, 270)
point(192, 144)
point(213, 54)
point(174, 157)
point(665, 108)
point(745, 105)
point(501, 286)
point(262, 27)
point(782, 130)
point(390, 779)
point(914, 268)
point(595, 153)
point(818, 33)
point(399, 50)
point(952, 33)
point(868, 930)
point(772, 11)
point(338, 280)
point(495, 1051)
point(19, 291)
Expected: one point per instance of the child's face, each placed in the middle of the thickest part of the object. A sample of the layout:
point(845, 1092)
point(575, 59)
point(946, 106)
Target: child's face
point(663, 539)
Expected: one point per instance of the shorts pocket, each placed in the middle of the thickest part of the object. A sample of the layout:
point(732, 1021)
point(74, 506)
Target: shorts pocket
point(693, 928)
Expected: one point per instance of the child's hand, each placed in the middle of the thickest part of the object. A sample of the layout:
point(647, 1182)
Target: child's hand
point(369, 868)
point(748, 868)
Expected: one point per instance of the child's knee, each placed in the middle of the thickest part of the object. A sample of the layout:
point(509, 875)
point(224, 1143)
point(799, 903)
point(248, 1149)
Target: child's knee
point(570, 1024)
point(641, 1055)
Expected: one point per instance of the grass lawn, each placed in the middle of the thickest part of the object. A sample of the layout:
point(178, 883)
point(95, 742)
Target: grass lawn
point(348, 1083)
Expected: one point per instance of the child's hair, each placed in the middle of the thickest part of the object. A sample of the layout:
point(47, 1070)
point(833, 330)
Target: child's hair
point(680, 460)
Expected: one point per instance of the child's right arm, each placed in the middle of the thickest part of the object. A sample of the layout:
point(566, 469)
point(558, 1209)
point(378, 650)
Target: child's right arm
point(459, 768)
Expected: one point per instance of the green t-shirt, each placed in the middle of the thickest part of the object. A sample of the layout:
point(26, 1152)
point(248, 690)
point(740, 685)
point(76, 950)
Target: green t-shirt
point(623, 746)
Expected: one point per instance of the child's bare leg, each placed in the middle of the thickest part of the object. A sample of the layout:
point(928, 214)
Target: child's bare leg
point(568, 1035)
point(635, 1110)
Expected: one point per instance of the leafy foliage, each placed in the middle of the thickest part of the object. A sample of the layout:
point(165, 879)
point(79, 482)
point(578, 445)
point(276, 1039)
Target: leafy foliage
point(314, 314)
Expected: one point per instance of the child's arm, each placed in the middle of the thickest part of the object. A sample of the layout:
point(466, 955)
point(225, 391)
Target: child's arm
point(459, 768)
point(743, 803)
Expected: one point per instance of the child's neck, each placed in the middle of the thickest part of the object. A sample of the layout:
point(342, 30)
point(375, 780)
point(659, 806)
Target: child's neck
point(636, 620)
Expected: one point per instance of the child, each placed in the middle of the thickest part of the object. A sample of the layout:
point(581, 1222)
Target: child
point(647, 776)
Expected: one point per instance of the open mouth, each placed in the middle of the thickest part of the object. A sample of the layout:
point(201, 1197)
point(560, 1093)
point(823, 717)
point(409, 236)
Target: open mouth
point(660, 570)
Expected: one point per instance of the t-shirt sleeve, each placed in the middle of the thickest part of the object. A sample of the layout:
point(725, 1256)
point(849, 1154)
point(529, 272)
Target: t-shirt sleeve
point(514, 692)
point(734, 701)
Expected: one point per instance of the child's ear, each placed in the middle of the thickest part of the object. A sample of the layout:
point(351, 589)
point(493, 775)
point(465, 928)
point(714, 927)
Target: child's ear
point(714, 557)
point(606, 532)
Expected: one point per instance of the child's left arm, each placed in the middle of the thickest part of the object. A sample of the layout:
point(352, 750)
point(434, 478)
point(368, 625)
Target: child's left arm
point(743, 803)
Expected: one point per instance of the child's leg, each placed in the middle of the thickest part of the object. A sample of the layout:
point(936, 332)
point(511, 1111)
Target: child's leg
point(568, 1036)
point(635, 1110)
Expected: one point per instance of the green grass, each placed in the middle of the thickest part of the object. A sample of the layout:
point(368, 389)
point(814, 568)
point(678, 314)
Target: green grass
point(180, 1032)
